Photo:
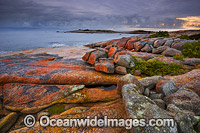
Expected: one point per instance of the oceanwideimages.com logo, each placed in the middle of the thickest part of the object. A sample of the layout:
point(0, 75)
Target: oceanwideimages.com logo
point(45, 121)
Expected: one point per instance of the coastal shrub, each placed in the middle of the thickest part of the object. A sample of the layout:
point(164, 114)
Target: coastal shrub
point(159, 34)
point(192, 50)
point(178, 57)
point(191, 37)
point(156, 67)
point(56, 109)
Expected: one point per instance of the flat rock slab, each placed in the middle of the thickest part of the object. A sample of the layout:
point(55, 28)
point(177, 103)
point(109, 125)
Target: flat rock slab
point(43, 67)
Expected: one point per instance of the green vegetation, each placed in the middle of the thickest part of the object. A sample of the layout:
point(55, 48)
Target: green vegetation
point(192, 50)
point(159, 34)
point(156, 67)
point(191, 37)
point(56, 109)
point(178, 57)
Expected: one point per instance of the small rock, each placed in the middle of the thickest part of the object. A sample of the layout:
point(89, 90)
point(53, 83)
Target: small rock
point(171, 52)
point(146, 92)
point(160, 84)
point(159, 43)
point(156, 96)
point(147, 48)
point(127, 79)
point(160, 103)
point(105, 67)
point(150, 82)
point(159, 49)
point(168, 88)
point(95, 55)
point(112, 51)
point(106, 60)
point(120, 70)
point(185, 99)
point(139, 45)
point(168, 43)
point(125, 60)
point(7, 122)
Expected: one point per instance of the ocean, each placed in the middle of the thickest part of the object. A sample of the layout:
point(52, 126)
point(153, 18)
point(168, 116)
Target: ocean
point(15, 40)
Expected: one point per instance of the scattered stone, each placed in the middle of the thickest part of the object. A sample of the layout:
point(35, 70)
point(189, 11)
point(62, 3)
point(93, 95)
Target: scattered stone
point(7, 122)
point(95, 55)
point(105, 67)
point(139, 45)
point(159, 49)
point(139, 106)
point(159, 43)
point(112, 52)
point(127, 79)
point(146, 92)
point(160, 103)
point(185, 99)
point(168, 88)
point(125, 60)
point(171, 52)
point(120, 70)
point(147, 48)
point(156, 96)
point(168, 43)
point(150, 82)
point(106, 60)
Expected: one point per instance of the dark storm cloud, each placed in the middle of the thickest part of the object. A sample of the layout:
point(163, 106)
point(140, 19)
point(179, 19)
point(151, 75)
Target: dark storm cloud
point(96, 13)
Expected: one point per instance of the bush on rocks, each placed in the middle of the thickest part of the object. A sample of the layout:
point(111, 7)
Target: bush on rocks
point(192, 50)
point(155, 67)
point(159, 34)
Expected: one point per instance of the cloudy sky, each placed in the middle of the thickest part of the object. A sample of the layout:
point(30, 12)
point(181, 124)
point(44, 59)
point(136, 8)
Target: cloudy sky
point(100, 14)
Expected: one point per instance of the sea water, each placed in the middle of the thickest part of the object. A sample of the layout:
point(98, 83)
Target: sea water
point(15, 40)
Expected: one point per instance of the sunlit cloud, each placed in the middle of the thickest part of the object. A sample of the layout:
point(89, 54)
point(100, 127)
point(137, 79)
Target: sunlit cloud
point(191, 22)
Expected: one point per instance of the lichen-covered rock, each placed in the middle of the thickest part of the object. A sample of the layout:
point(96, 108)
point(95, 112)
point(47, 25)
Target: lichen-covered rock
point(159, 49)
point(144, 55)
point(139, 106)
point(159, 43)
point(120, 70)
point(171, 52)
point(95, 55)
point(168, 88)
point(7, 122)
point(125, 60)
point(105, 67)
point(160, 103)
point(32, 95)
point(139, 45)
point(150, 82)
point(185, 99)
point(168, 43)
point(147, 48)
point(188, 80)
point(128, 79)
point(106, 60)
point(112, 51)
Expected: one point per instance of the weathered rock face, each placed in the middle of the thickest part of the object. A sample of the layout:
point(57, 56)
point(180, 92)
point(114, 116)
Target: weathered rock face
point(128, 79)
point(159, 49)
point(150, 82)
point(7, 122)
point(185, 99)
point(95, 55)
point(139, 45)
point(159, 43)
point(139, 106)
point(121, 70)
point(147, 48)
point(125, 60)
point(171, 52)
point(105, 67)
point(188, 80)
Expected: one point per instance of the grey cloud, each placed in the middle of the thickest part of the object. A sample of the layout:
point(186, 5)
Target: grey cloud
point(96, 13)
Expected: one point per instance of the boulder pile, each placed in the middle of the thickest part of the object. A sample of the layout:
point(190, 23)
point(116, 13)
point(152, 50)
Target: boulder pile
point(115, 56)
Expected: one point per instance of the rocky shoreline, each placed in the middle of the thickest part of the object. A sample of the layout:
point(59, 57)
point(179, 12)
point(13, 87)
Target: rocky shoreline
point(76, 82)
